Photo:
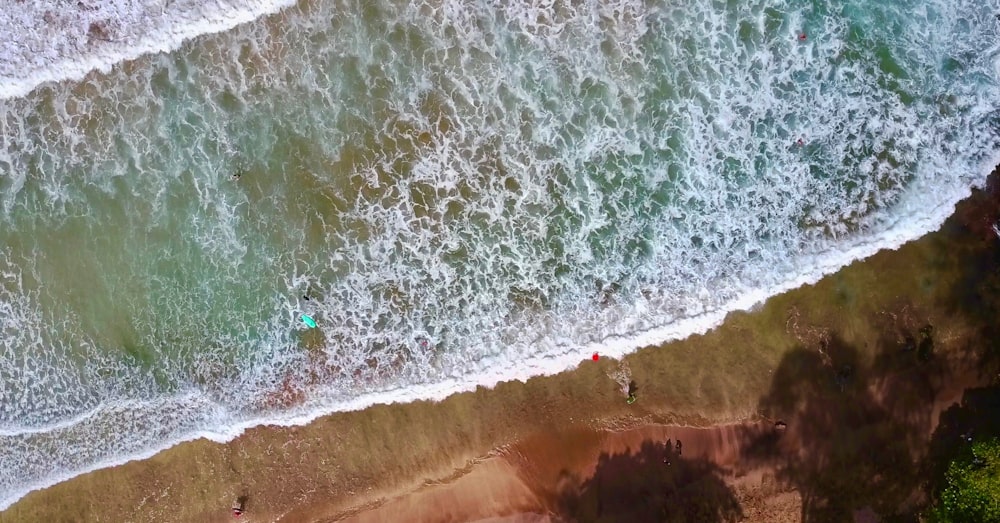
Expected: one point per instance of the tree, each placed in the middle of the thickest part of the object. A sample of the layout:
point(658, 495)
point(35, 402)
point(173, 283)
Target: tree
point(972, 486)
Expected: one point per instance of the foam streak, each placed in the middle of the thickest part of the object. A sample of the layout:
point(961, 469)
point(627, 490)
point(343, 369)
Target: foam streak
point(56, 40)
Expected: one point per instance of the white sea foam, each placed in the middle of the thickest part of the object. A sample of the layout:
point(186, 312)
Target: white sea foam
point(553, 359)
point(55, 40)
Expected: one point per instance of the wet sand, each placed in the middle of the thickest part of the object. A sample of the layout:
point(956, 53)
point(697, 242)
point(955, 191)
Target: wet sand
point(859, 367)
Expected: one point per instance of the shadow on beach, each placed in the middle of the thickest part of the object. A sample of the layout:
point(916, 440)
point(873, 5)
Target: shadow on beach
point(976, 294)
point(858, 417)
point(977, 416)
point(856, 430)
point(650, 484)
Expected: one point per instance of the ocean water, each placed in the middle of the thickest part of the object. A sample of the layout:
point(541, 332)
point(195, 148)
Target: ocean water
point(466, 192)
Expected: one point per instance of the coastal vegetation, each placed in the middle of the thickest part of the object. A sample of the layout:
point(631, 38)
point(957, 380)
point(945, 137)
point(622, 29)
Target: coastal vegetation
point(972, 486)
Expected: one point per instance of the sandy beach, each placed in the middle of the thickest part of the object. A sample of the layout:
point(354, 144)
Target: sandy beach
point(822, 404)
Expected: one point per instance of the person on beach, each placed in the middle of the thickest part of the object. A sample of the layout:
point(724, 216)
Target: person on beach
point(677, 448)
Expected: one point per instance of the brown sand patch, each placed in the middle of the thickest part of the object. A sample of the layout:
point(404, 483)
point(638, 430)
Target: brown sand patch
point(543, 474)
point(862, 441)
point(490, 489)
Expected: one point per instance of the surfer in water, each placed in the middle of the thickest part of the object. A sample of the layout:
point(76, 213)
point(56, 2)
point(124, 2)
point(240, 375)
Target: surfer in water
point(240, 171)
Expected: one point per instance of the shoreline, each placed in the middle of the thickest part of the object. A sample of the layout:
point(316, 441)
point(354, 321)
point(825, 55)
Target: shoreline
point(109, 43)
point(570, 358)
point(339, 462)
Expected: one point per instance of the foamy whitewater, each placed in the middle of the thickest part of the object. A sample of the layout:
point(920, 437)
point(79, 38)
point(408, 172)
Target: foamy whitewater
point(458, 194)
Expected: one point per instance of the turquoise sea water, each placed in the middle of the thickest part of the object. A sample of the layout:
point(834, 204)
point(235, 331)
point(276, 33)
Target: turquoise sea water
point(465, 191)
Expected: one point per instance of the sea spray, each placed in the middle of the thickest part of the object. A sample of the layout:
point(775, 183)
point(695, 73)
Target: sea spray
point(622, 375)
point(467, 193)
point(51, 41)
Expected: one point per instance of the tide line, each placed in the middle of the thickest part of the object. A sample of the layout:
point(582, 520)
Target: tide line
point(56, 45)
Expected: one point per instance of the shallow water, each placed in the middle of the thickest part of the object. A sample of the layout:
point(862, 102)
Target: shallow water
point(466, 193)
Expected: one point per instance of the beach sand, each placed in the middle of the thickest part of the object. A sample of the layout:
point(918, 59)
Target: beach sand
point(858, 368)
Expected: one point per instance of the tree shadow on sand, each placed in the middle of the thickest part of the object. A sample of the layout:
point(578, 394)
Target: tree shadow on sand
point(652, 484)
point(972, 239)
point(976, 417)
point(855, 430)
point(978, 297)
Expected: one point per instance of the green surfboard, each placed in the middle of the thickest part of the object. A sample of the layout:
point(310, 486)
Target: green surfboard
point(308, 321)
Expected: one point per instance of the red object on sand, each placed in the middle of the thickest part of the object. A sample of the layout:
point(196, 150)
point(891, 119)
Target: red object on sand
point(595, 357)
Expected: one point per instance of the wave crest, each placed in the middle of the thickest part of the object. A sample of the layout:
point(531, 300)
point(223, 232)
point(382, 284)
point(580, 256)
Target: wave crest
point(66, 39)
